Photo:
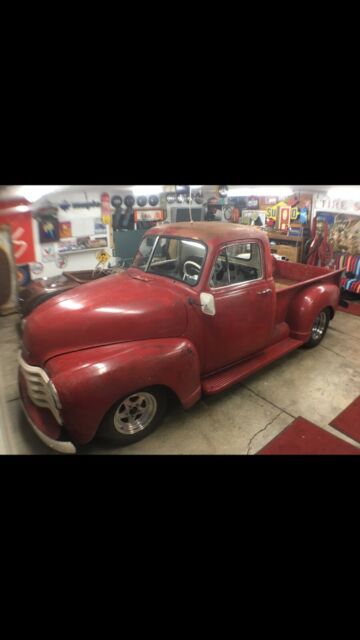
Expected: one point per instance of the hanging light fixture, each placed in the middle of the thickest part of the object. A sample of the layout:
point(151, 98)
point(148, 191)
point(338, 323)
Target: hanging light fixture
point(351, 192)
point(279, 191)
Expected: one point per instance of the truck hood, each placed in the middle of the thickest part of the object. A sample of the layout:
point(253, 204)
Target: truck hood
point(118, 308)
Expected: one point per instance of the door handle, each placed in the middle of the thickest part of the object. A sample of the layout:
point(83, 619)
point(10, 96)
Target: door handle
point(263, 292)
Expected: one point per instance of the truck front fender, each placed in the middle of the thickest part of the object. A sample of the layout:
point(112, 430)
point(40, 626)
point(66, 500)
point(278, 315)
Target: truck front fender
point(306, 305)
point(90, 381)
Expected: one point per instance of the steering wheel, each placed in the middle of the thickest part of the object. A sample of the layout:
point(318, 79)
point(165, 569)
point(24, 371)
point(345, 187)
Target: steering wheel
point(192, 264)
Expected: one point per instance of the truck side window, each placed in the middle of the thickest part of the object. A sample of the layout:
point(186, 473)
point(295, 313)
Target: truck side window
point(237, 263)
point(177, 258)
point(143, 254)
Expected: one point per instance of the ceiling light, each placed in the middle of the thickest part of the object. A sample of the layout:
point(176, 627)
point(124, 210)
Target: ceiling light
point(281, 192)
point(351, 192)
point(147, 190)
point(35, 192)
point(22, 208)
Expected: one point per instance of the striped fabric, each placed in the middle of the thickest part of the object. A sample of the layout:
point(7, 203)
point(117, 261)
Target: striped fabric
point(351, 264)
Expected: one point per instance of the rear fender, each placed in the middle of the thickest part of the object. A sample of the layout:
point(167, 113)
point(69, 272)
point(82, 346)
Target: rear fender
point(90, 381)
point(307, 304)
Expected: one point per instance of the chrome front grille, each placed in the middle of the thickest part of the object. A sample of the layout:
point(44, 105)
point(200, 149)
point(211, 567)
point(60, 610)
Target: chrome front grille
point(38, 388)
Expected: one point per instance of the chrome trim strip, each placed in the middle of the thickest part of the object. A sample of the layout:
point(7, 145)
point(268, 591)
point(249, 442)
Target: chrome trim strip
point(57, 445)
point(37, 384)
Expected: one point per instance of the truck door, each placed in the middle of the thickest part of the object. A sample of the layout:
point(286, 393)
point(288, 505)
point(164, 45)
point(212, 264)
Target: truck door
point(245, 306)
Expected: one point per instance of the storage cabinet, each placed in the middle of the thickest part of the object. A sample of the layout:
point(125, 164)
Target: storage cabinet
point(290, 247)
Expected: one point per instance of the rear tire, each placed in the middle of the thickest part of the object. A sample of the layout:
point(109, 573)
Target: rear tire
point(319, 329)
point(134, 417)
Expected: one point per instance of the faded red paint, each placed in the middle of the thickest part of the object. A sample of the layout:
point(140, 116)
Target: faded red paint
point(114, 336)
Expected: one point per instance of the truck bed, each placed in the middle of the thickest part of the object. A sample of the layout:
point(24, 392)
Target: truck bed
point(290, 277)
point(293, 274)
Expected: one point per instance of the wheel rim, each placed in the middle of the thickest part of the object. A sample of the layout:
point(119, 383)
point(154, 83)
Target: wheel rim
point(319, 326)
point(135, 413)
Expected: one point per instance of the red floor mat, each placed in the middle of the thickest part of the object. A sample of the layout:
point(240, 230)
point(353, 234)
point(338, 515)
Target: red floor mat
point(302, 437)
point(348, 421)
point(353, 308)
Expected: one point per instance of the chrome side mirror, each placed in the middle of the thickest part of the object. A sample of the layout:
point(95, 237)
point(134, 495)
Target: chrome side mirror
point(207, 301)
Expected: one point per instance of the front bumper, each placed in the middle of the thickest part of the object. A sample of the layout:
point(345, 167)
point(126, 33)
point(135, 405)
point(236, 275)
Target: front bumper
point(41, 415)
point(57, 445)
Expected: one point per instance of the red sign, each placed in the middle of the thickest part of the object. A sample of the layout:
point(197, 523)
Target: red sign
point(21, 235)
point(105, 208)
point(148, 215)
point(284, 221)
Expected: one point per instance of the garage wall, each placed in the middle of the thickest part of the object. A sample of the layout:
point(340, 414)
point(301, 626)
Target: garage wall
point(76, 260)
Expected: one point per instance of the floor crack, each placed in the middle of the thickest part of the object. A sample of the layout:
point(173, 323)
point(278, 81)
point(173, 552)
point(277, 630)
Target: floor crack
point(332, 351)
point(260, 430)
point(268, 401)
point(343, 333)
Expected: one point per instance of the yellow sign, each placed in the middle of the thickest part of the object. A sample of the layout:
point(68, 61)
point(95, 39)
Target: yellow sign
point(102, 257)
point(106, 218)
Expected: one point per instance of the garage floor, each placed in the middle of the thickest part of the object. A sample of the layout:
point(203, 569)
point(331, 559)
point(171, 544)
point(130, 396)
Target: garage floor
point(316, 384)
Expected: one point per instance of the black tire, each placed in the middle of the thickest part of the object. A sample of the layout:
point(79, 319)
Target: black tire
point(319, 329)
point(116, 425)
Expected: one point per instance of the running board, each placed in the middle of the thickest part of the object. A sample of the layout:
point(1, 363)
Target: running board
point(225, 379)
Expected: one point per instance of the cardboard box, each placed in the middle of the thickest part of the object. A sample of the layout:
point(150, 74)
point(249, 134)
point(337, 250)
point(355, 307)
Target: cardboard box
point(287, 251)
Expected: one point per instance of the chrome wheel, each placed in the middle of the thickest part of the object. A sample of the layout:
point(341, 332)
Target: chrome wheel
point(319, 326)
point(135, 413)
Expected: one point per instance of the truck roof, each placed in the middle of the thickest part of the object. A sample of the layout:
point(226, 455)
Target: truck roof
point(208, 232)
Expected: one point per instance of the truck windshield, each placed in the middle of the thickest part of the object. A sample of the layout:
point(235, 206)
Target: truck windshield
point(177, 258)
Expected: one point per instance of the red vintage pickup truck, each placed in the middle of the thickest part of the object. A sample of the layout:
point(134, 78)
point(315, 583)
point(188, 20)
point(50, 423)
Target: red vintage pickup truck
point(203, 306)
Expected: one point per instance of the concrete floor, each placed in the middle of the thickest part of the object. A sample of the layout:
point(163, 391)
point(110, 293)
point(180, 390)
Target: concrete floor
point(317, 384)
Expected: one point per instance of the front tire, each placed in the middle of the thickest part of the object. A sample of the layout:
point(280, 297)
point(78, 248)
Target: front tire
point(134, 417)
point(319, 329)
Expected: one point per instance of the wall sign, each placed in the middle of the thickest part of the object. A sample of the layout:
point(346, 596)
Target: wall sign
point(48, 229)
point(36, 268)
point(65, 229)
point(21, 235)
point(105, 208)
point(148, 215)
point(86, 204)
point(284, 218)
point(100, 227)
point(253, 203)
point(48, 253)
point(23, 275)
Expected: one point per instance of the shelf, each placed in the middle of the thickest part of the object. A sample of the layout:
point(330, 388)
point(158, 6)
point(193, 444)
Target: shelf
point(281, 237)
point(68, 253)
